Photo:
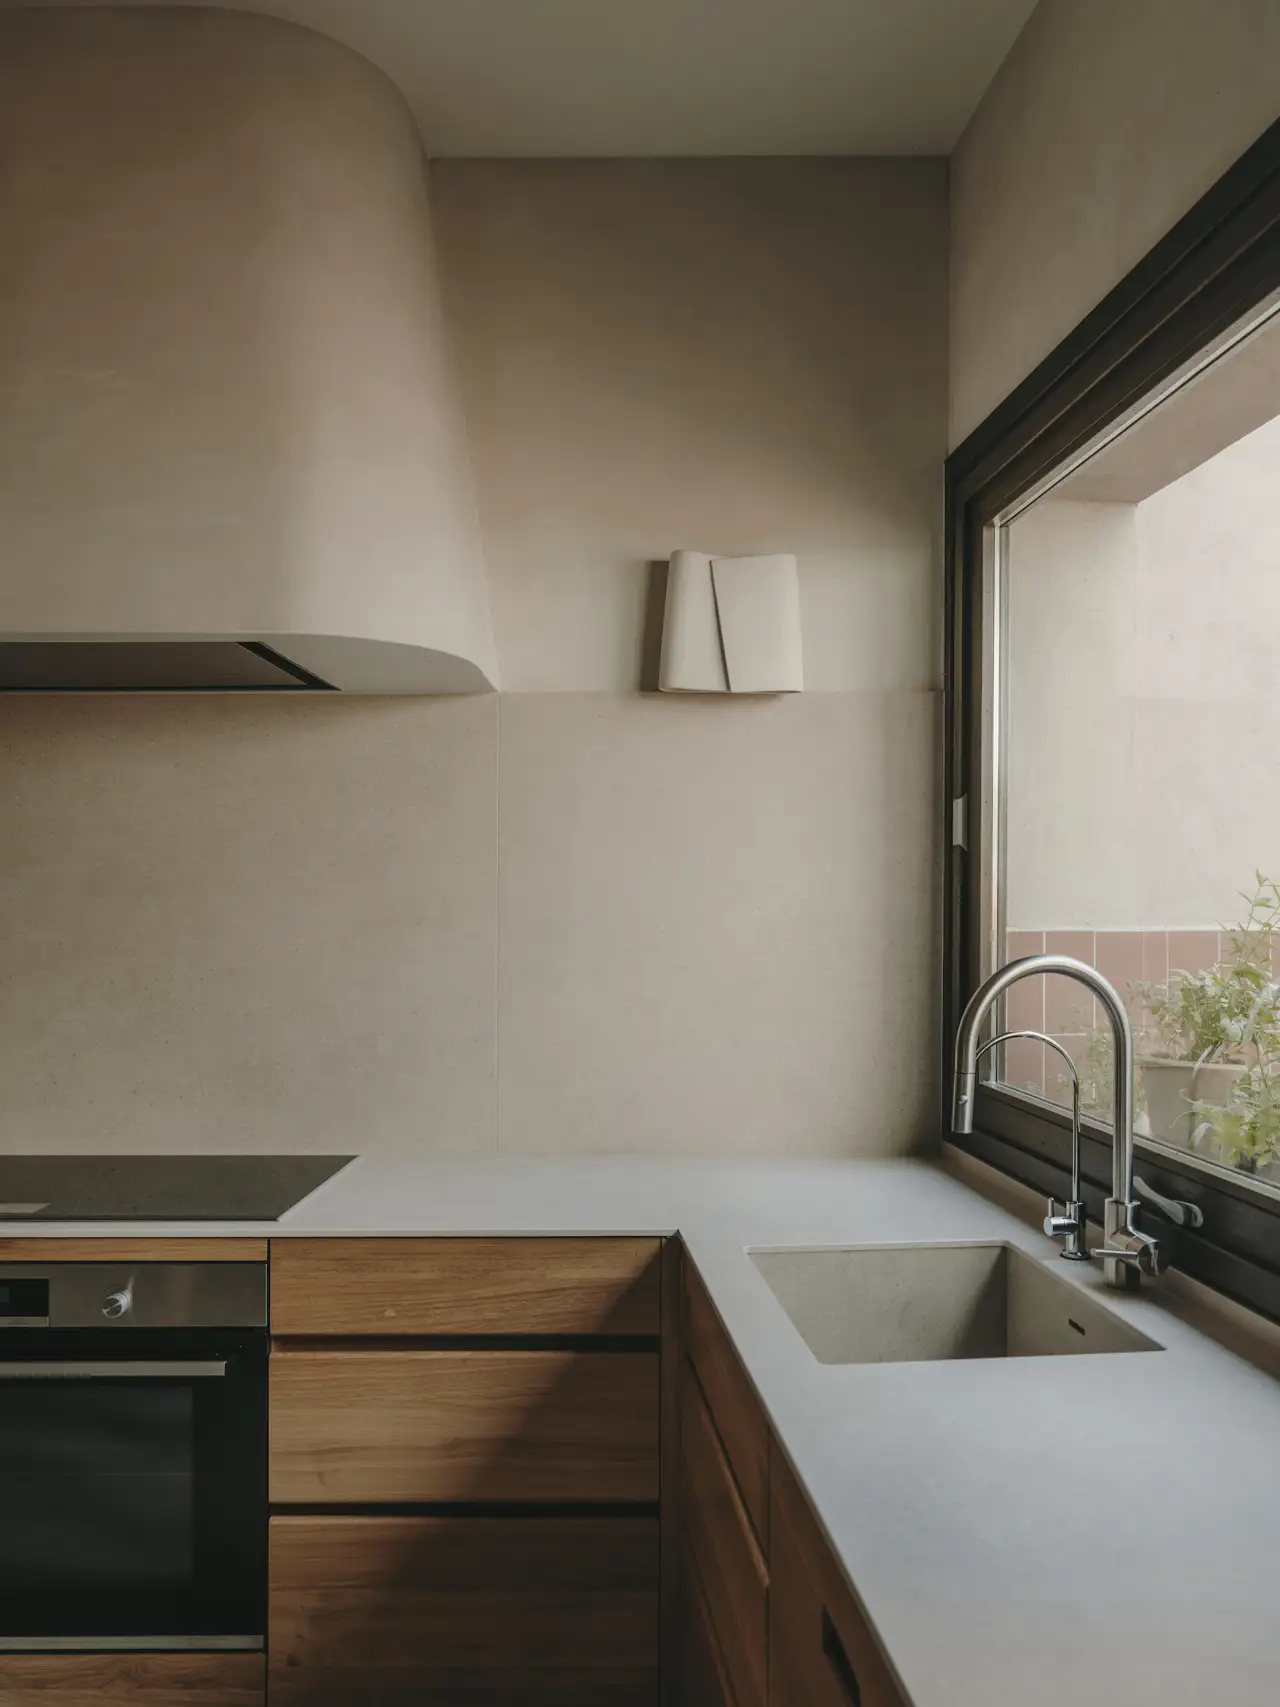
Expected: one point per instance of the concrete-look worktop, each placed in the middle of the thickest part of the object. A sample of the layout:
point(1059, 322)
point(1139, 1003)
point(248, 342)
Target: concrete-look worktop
point(1019, 1531)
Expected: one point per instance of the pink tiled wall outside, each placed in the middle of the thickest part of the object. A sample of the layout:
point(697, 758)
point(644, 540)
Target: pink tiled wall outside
point(1065, 1010)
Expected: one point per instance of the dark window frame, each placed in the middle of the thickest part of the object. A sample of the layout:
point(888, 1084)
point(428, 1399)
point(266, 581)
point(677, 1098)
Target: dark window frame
point(1217, 264)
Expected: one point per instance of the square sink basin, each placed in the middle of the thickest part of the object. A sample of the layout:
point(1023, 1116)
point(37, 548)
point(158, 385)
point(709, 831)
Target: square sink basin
point(922, 1303)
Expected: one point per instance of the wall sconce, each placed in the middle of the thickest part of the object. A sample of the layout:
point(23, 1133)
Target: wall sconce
point(731, 625)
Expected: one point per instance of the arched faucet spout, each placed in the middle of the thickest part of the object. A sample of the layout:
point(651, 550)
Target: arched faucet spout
point(1127, 1253)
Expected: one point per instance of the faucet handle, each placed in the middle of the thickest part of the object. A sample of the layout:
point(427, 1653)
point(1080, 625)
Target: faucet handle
point(1127, 1251)
point(1067, 1221)
point(1056, 1221)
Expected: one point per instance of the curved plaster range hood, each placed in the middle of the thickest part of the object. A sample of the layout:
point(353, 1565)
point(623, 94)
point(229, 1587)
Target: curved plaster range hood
point(231, 454)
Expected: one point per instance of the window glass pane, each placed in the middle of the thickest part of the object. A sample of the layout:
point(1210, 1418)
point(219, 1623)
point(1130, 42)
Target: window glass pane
point(1141, 793)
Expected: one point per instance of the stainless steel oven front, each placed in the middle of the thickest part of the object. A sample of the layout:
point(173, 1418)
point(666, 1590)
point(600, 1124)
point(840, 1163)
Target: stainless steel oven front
point(133, 1484)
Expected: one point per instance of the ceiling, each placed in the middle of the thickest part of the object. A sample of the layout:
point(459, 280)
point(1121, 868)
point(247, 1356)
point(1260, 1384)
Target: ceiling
point(676, 77)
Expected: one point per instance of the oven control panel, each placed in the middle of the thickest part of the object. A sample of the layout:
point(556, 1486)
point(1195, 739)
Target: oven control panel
point(143, 1295)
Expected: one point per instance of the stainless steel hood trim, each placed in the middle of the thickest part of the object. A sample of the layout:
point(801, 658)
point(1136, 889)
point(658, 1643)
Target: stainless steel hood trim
point(305, 678)
point(51, 665)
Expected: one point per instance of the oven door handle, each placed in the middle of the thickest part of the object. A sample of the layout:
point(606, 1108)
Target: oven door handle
point(124, 1369)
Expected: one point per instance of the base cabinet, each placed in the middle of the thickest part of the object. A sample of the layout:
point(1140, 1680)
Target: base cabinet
point(730, 1567)
point(469, 1432)
point(724, 1514)
point(144, 1680)
point(821, 1651)
point(476, 1514)
point(463, 1610)
point(701, 1678)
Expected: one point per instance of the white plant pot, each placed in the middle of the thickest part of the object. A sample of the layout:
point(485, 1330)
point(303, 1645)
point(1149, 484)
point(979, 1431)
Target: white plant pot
point(1171, 1086)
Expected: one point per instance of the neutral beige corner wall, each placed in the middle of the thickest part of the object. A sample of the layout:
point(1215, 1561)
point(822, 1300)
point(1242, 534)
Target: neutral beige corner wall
point(1102, 128)
point(666, 924)
point(718, 923)
point(731, 356)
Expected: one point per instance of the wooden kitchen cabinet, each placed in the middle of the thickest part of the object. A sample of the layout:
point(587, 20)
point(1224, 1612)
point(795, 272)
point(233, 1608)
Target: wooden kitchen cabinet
point(444, 1611)
point(504, 1287)
point(725, 1569)
point(730, 1565)
point(143, 1680)
point(703, 1679)
point(414, 1386)
point(731, 1399)
point(821, 1651)
point(361, 1426)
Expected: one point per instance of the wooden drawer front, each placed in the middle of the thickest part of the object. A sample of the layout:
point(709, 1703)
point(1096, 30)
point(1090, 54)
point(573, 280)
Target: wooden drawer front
point(358, 1427)
point(703, 1680)
point(438, 1612)
point(724, 1547)
point(739, 1419)
point(821, 1652)
point(465, 1286)
point(144, 1680)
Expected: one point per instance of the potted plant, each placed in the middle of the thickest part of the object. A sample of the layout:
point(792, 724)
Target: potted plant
point(1214, 1029)
point(1244, 1131)
point(1195, 1057)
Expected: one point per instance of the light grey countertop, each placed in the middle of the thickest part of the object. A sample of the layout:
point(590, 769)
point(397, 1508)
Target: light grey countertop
point(1022, 1531)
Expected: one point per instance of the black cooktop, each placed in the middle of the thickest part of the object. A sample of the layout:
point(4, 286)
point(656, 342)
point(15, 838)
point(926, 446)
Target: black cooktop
point(159, 1188)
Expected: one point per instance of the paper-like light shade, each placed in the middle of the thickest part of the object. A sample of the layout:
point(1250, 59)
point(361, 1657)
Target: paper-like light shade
point(731, 625)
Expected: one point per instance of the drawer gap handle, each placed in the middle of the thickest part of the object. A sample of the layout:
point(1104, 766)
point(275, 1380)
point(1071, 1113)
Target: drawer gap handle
point(839, 1661)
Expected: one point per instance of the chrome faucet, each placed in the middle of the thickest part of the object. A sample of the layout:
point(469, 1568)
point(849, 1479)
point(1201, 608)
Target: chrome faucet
point(1066, 1221)
point(1127, 1253)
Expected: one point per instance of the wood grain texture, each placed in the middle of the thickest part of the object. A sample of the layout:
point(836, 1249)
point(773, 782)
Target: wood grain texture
point(724, 1547)
point(739, 1419)
point(463, 1612)
point(144, 1680)
point(703, 1679)
point(364, 1426)
point(37, 1249)
point(333, 1287)
point(806, 1582)
point(669, 1469)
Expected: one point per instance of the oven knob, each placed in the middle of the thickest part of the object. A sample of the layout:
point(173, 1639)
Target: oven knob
point(118, 1304)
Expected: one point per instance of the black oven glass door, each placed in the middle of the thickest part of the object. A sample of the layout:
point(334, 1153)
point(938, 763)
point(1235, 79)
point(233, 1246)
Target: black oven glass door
point(133, 1488)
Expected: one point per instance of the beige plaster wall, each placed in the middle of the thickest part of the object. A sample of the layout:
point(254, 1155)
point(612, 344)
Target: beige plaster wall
point(1104, 125)
point(731, 356)
point(575, 917)
point(246, 924)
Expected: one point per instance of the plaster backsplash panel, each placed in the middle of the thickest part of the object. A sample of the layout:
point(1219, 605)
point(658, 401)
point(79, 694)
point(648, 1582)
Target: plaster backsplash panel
point(246, 924)
point(718, 924)
point(284, 924)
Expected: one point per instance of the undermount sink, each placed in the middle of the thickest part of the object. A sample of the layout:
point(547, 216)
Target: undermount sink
point(922, 1303)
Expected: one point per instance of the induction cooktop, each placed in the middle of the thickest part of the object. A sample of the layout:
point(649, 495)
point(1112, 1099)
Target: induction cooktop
point(159, 1188)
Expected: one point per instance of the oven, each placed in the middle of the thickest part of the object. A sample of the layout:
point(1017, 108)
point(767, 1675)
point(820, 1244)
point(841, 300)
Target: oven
point(133, 1430)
